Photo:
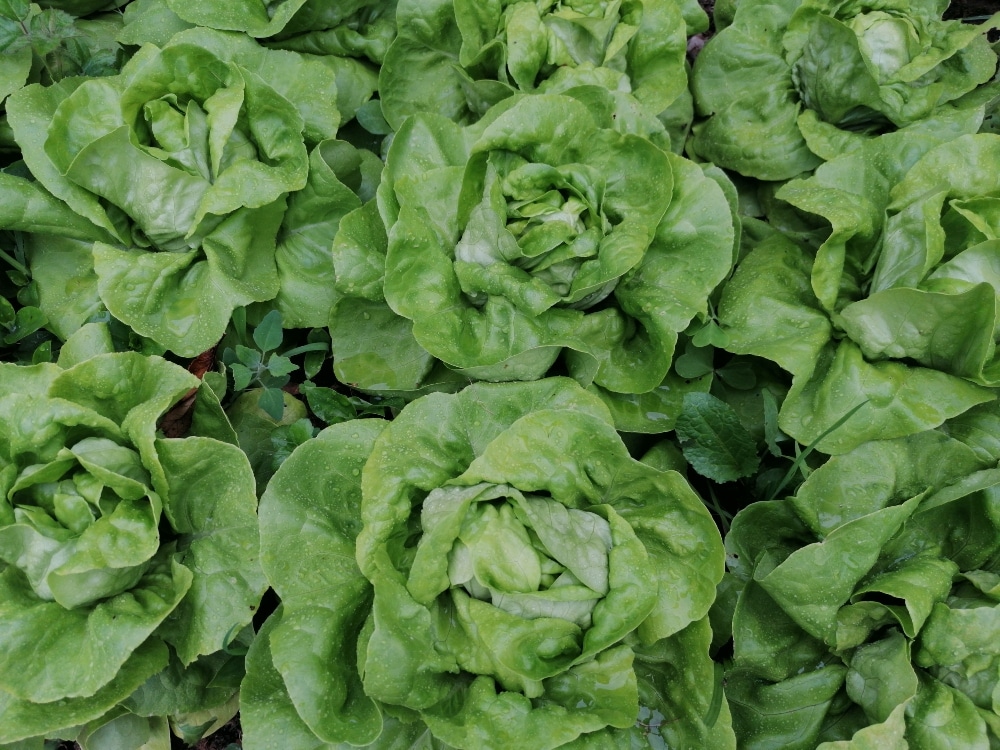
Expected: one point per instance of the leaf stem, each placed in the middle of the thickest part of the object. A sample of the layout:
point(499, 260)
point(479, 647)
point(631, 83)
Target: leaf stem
point(800, 459)
point(15, 264)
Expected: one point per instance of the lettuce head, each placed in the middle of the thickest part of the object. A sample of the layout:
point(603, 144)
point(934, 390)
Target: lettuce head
point(125, 556)
point(868, 607)
point(787, 73)
point(537, 234)
point(180, 167)
point(489, 570)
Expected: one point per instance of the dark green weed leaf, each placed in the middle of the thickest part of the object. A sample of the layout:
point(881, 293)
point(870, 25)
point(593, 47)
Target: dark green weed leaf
point(26, 321)
point(43, 353)
point(278, 365)
point(241, 376)
point(327, 404)
point(314, 359)
point(16, 10)
point(710, 335)
point(771, 429)
point(268, 335)
point(273, 402)
point(713, 440)
point(694, 362)
point(249, 357)
point(738, 374)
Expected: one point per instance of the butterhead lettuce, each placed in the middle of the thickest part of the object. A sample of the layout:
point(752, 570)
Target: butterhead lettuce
point(537, 233)
point(868, 604)
point(897, 303)
point(123, 553)
point(458, 58)
point(491, 569)
point(182, 164)
point(786, 72)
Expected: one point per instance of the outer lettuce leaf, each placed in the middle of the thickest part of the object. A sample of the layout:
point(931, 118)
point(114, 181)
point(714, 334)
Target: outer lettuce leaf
point(251, 16)
point(66, 281)
point(768, 308)
point(786, 714)
point(888, 735)
point(325, 596)
point(678, 669)
point(263, 20)
point(269, 718)
point(782, 303)
point(105, 635)
point(208, 486)
point(846, 555)
point(852, 193)
point(948, 332)
point(207, 683)
point(150, 22)
point(896, 397)
point(29, 208)
point(37, 104)
point(25, 719)
point(362, 29)
point(340, 178)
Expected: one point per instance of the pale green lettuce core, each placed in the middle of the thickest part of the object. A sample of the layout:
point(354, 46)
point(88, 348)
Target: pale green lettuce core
point(501, 556)
point(888, 42)
point(493, 565)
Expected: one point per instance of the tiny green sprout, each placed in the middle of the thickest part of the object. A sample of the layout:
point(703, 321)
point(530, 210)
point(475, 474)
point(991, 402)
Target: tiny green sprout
point(263, 366)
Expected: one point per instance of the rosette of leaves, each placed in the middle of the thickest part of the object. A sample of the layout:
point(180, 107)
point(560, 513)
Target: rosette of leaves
point(489, 570)
point(179, 168)
point(539, 231)
point(457, 58)
point(349, 38)
point(128, 560)
point(898, 307)
point(868, 604)
point(786, 75)
point(341, 177)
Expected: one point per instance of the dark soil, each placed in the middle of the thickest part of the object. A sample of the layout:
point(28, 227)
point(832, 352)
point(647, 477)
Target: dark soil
point(972, 8)
point(229, 737)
